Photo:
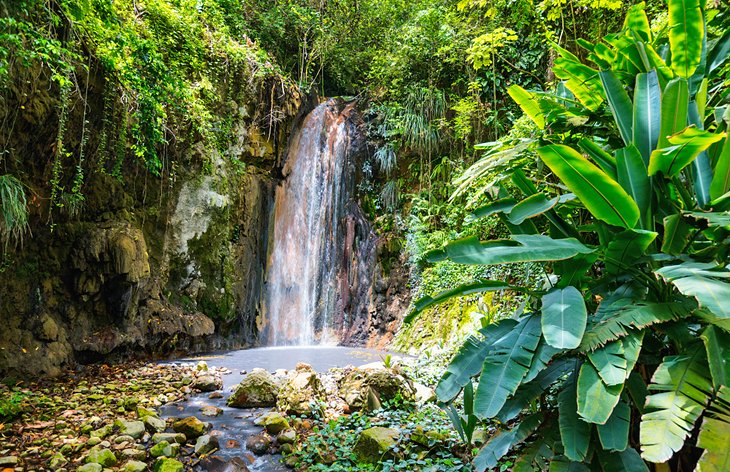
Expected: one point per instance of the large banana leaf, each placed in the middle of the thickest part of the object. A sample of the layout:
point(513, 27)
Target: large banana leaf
point(469, 359)
point(686, 145)
point(529, 102)
point(563, 317)
point(522, 248)
point(627, 460)
point(690, 268)
point(682, 383)
point(543, 355)
point(720, 52)
point(647, 113)
point(596, 400)
point(531, 391)
point(502, 442)
point(638, 23)
point(600, 194)
point(574, 432)
point(498, 206)
point(721, 180)
point(676, 234)
point(614, 435)
point(710, 293)
point(717, 345)
point(714, 434)
point(686, 30)
point(633, 177)
point(581, 80)
point(675, 103)
point(604, 160)
point(610, 362)
point(505, 366)
point(619, 103)
point(626, 249)
point(532, 206)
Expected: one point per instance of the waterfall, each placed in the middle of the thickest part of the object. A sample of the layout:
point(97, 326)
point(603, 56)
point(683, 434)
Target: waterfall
point(307, 272)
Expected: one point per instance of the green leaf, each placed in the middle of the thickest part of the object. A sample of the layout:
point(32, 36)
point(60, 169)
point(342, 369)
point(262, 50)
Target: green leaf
point(600, 194)
point(469, 359)
point(686, 145)
point(713, 436)
point(721, 181)
point(626, 249)
point(505, 366)
point(710, 293)
point(647, 113)
point(604, 160)
point(500, 444)
point(574, 432)
point(522, 248)
point(581, 80)
point(543, 355)
point(675, 103)
point(614, 435)
point(686, 30)
point(676, 234)
point(532, 206)
point(637, 22)
point(563, 318)
point(717, 345)
point(596, 400)
point(529, 103)
point(671, 273)
point(619, 104)
point(468, 289)
point(633, 177)
point(610, 362)
point(530, 391)
point(719, 53)
point(503, 205)
point(669, 416)
point(625, 461)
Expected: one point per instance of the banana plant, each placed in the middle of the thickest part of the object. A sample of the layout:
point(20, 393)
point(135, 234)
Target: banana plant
point(623, 359)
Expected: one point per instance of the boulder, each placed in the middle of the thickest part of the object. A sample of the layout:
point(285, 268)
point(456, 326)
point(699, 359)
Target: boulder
point(424, 394)
point(210, 410)
point(133, 455)
point(300, 391)
point(135, 429)
point(102, 456)
point(134, 466)
point(219, 464)
point(206, 444)
point(375, 444)
point(257, 390)
point(258, 444)
point(169, 437)
point(168, 465)
point(207, 383)
point(165, 449)
point(274, 423)
point(366, 390)
point(154, 424)
point(91, 467)
point(191, 427)
point(288, 436)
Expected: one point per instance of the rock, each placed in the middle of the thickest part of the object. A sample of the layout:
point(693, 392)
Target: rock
point(143, 412)
point(257, 390)
point(93, 441)
point(215, 395)
point(301, 389)
point(219, 464)
point(206, 444)
point(169, 437)
point(366, 390)
point(154, 424)
point(210, 410)
point(135, 429)
point(258, 444)
point(103, 456)
point(374, 444)
point(134, 466)
point(424, 394)
point(9, 461)
point(57, 461)
point(286, 448)
point(123, 439)
point(134, 454)
point(201, 366)
point(427, 438)
point(101, 432)
point(288, 436)
point(274, 423)
point(168, 465)
point(191, 427)
point(165, 449)
point(207, 383)
point(92, 467)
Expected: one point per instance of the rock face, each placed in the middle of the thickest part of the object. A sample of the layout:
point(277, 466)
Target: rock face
point(367, 389)
point(374, 444)
point(258, 389)
point(300, 391)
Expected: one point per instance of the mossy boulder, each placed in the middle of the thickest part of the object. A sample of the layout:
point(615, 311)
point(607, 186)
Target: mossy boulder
point(375, 444)
point(169, 437)
point(134, 466)
point(274, 423)
point(257, 390)
point(206, 444)
point(168, 465)
point(300, 391)
point(165, 449)
point(102, 456)
point(90, 467)
point(367, 389)
point(135, 429)
point(207, 383)
point(191, 427)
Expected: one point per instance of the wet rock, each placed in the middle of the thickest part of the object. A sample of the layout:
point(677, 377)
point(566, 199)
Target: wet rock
point(300, 391)
point(92, 467)
point(103, 456)
point(191, 427)
point(201, 366)
point(135, 429)
point(210, 410)
point(374, 444)
point(288, 436)
point(257, 390)
point(366, 390)
point(206, 444)
point(134, 466)
point(258, 444)
point(168, 465)
point(219, 464)
point(207, 383)
point(274, 423)
point(179, 438)
point(215, 395)
point(154, 424)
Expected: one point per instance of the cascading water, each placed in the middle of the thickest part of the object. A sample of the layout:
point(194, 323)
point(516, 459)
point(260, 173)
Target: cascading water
point(306, 284)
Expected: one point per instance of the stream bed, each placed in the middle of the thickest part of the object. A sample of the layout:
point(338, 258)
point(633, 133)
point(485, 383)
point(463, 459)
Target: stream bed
point(236, 425)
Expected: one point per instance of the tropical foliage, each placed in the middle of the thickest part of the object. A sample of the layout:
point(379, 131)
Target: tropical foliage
point(614, 361)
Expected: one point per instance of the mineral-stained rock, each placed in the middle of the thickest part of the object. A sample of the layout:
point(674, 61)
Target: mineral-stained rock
point(300, 391)
point(191, 427)
point(374, 444)
point(256, 390)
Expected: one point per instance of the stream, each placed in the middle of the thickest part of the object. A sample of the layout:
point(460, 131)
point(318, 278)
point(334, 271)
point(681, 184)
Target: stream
point(236, 424)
